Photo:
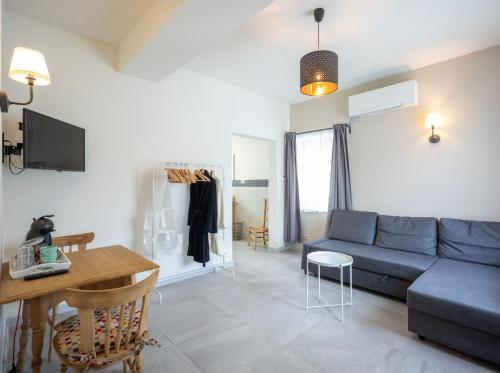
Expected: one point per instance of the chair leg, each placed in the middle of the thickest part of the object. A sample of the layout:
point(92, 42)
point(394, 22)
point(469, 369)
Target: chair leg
point(23, 339)
point(139, 366)
point(64, 368)
point(52, 323)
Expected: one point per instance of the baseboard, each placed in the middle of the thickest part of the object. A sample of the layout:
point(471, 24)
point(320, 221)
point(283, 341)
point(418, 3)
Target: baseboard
point(280, 249)
point(184, 276)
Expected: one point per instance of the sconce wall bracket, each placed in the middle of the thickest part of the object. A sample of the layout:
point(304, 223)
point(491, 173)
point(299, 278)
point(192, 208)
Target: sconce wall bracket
point(5, 102)
point(434, 138)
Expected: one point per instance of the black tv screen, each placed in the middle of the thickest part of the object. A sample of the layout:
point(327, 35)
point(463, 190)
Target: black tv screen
point(51, 144)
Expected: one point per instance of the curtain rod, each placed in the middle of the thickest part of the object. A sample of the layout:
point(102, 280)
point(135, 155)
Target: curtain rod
point(323, 129)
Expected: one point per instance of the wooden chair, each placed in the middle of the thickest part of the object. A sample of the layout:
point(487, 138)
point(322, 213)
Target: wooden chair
point(66, 244)
point(259, 233)
point(108, 329)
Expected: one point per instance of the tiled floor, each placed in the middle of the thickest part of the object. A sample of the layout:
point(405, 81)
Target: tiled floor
point(258, 324)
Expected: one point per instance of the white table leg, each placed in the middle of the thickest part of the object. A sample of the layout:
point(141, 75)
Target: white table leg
point(307, 286)
point(342, 291)
point(350, 280)
point(319, 281)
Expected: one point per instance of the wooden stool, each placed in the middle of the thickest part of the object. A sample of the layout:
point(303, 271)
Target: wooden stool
point(259, 233)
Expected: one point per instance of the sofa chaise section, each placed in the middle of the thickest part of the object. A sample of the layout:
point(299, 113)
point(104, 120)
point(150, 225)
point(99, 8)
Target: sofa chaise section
point(457, 301)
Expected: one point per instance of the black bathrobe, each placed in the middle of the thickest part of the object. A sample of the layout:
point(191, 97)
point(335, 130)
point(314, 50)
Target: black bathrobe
point(202, 218)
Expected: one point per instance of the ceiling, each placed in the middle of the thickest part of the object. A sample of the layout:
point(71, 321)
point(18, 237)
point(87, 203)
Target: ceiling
point(257, 44)
point(107, 21)
point(373, 39)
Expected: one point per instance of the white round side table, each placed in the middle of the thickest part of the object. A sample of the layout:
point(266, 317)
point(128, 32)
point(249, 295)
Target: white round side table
point(333, 260)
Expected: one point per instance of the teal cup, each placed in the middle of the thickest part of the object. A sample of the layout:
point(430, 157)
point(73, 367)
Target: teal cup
point(48, 254)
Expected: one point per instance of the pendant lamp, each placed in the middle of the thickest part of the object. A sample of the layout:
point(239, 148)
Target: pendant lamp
point(319, 69)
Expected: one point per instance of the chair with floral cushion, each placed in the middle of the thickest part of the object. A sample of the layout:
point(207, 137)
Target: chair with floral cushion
point(66, 244)
point(110, 327)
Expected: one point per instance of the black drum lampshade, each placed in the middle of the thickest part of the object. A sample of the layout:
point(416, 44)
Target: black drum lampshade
point(319, 69)
point(319, 73)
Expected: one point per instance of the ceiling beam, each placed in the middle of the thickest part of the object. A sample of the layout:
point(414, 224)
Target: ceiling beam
point(173, 32)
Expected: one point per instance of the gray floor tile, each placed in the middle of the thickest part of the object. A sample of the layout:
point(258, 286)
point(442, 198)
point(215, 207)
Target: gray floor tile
point(229, 350)
point(193, 318)
point(281, 361)
point(258, 324)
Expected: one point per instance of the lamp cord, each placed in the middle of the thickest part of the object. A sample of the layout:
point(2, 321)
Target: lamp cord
point(318, 35)
point(13, 369)
point(12, 164)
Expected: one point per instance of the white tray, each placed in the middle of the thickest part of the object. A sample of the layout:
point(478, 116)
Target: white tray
point(62, 263)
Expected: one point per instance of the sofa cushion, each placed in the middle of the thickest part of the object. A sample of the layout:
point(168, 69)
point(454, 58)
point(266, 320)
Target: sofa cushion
point(418, 235)
point(353, 226)
point(472, 241)
point(462, 292)
point(395, 263)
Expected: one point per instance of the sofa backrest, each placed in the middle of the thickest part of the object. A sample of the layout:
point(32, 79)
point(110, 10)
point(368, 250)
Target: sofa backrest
point(353, 226)
point(471, 241)
point(418, 235)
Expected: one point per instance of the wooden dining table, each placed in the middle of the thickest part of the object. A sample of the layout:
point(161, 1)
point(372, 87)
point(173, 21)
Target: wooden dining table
point(100, 268)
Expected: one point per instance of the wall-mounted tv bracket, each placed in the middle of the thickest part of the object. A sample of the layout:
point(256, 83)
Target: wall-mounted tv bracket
point(8, 149)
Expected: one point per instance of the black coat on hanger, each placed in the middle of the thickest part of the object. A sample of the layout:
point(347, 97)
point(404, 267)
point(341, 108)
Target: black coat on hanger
point(202, 218)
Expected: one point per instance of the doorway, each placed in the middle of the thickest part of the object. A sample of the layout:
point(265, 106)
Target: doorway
point(250, 191)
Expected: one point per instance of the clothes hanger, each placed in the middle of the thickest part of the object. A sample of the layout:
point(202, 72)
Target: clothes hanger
point(207, 179)
point(172, 176)
point(186, 175)
point(189, 176)
point(201, 177)
point(192, 178)
point(180, 176)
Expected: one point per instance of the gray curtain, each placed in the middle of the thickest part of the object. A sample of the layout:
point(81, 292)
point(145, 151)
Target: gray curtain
point(292, 205)
point(340, 178)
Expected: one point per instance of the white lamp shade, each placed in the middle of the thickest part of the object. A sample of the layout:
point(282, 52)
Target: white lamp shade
point(29, 63)
point(433, 119)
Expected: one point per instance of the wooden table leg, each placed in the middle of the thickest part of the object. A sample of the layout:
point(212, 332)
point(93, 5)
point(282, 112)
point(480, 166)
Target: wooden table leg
point(25, 330)
point(39, 309)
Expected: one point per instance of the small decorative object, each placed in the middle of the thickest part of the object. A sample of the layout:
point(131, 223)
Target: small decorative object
point(27, 66)
point(433, 121)
point(42, 226)
point(319, 69)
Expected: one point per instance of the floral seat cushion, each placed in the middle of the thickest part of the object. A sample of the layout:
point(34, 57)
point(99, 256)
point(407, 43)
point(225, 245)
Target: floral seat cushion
point(67, 338)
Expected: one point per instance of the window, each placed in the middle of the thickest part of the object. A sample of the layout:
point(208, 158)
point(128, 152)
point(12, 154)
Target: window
point(314, 156)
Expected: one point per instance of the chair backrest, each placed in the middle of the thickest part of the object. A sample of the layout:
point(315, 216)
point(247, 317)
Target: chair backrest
point(124, 298)
point(66, 243)
point(266, 217)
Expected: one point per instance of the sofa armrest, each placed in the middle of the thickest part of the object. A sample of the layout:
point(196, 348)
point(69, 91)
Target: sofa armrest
point(307, 248)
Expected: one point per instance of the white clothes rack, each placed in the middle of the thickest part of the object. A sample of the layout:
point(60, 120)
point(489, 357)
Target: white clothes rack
point(208, 268)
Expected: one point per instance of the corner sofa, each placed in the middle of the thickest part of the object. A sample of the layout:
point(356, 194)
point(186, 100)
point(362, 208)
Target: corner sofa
point(448, 271)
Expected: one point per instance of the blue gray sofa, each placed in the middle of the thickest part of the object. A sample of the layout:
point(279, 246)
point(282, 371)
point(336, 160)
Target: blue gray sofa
point(448, 271)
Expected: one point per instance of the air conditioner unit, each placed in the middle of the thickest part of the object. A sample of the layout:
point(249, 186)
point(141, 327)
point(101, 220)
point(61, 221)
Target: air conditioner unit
point(397, 96)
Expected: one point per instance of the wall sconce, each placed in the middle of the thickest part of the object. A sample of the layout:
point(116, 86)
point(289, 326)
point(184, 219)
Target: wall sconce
point(27, 66)
point(433, 121)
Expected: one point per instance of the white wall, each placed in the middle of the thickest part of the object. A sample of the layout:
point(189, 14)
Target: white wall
point(252, 157)
point(2, 312)
point(394, 168)
point(131, 125)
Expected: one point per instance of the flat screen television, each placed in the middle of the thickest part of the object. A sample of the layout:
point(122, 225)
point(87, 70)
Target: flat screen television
point(51, 144)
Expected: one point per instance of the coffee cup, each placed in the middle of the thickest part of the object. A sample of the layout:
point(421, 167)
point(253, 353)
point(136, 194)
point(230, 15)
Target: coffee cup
point(48, 254)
